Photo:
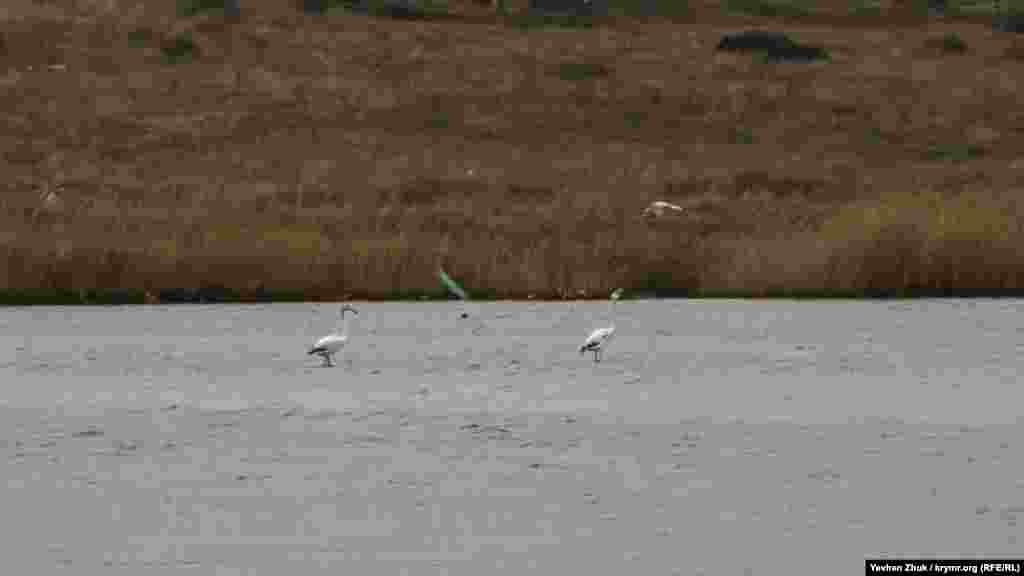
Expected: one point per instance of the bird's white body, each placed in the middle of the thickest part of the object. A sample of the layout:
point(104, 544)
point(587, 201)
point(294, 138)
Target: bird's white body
point(658, 208)
point(331, 344)
point(596, 341)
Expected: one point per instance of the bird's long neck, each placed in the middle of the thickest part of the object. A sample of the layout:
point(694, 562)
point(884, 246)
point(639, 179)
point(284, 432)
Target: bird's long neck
point(344, 324)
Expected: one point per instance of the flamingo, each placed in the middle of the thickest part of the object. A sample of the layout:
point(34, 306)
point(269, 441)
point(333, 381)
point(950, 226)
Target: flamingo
point(330, 345)
point(599, 338)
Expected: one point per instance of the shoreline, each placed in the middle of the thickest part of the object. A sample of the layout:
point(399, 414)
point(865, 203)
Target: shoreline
point(131, 297)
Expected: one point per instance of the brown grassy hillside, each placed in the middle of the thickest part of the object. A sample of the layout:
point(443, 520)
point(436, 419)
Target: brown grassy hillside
point(350, 155)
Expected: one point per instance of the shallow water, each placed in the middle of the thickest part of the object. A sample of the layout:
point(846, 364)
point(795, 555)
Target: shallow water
point(939, 361)
point(715, 438)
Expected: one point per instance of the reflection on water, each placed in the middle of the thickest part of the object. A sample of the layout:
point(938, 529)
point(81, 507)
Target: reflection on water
point(934, 360)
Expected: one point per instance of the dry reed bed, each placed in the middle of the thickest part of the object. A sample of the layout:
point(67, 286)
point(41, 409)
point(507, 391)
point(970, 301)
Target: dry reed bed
point(357, 155)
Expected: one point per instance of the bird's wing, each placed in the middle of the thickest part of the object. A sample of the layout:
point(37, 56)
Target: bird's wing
point(596, 337)
point(669, 205)
point(587, 343)
point(329, 340)
point(661, 205)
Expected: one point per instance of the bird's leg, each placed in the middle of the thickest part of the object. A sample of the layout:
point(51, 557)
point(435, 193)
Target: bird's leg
point(329, 362)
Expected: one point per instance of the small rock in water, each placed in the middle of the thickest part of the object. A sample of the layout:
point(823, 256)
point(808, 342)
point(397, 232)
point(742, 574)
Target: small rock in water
point(126, 445)
point(89, 432)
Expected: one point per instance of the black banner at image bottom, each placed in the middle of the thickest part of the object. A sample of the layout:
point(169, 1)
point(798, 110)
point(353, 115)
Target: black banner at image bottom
point(943, 567)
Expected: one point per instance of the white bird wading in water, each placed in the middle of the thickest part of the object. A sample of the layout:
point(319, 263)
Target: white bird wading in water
point(329, 345)
point(599, 338)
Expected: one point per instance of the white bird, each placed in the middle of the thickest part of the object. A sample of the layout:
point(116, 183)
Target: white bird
point(329, 345)
point(596, 341)
point(599, 338)
point(658, 208)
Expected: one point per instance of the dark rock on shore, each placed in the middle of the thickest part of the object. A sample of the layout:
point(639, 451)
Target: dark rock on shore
point(1013, 23)
point(774, 45)
point(568, 7)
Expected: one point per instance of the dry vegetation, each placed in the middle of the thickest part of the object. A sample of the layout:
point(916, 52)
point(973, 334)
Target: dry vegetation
point(348, 155)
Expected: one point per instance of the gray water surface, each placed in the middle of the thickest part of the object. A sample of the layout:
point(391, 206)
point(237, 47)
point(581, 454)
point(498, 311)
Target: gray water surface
point(715, 438)
point(943, 361)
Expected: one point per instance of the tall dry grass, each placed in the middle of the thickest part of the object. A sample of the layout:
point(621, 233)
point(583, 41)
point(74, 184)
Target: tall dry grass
point(929, 242)
point(901, 244)
point(546, 245)
point(354, 156)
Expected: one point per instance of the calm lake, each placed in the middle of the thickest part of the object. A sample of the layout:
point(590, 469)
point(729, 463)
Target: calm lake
point(943, 361)
point(716, 437)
